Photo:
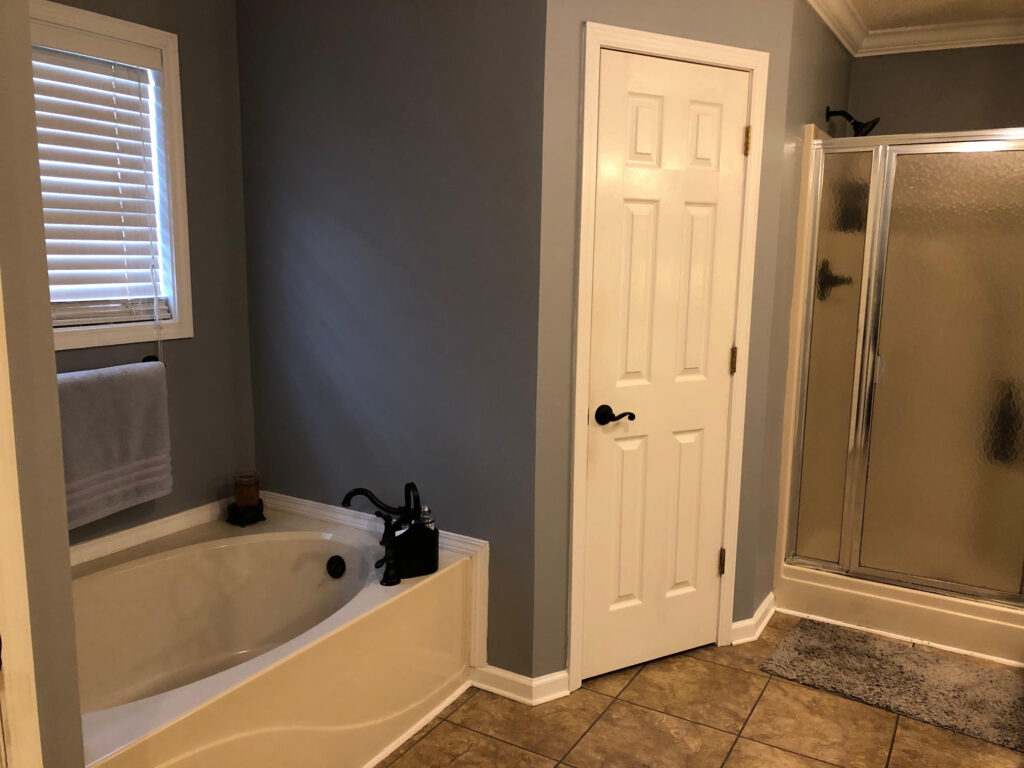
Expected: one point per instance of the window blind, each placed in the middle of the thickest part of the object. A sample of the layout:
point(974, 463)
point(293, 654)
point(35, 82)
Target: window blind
point(97, 126)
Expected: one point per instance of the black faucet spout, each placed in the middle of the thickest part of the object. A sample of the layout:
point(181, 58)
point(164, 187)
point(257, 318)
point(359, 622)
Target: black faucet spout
point(372, 498)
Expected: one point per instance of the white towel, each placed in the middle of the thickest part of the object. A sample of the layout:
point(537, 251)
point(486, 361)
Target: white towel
point(117, 445)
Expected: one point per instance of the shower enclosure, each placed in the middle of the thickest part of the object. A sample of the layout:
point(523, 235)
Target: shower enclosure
point(909, 463)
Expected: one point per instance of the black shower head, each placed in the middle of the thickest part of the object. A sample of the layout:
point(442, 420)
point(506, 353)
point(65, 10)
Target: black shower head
point(859, 128)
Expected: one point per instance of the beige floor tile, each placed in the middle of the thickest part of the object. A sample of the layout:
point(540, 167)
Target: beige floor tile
point(821, 725)
point(783, 621)
point(449, 745)
point(745, 656)
point(466, 696)
point(918, 744)
point(550, 729)
point(632, 737)
point(750, 754)
point(408, 743)
point(706, 693)
point(612, 683)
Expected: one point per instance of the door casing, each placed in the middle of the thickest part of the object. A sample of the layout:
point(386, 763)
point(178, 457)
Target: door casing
point(596, 38)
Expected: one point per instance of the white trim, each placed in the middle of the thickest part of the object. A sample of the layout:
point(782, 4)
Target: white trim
point(936, 37)
point(477, 550)
point(598, 36)
point(527, 690)
point(104, 36)
point(140, 534)
point(968, 626)
point(748, 630)
point(903, 638)
point(418, 726)
point(846, 23)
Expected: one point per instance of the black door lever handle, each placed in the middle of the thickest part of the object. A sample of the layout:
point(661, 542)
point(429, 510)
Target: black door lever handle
point(605, 415)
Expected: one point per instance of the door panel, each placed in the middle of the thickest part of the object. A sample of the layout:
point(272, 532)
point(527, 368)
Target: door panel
point(945, 485)
point(832, 355)
point(666, 257)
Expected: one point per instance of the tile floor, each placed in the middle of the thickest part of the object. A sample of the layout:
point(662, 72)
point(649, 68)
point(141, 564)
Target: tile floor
point(708, 708)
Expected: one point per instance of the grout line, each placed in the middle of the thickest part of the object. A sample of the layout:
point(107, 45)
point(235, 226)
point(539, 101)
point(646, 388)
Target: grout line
point(677, 717)
point(892, 742)
point(412, 741)
point(469, 698)
point(583, 735)
point(759, 673)
point(745, 721)
point(639, 669)
point(503, 741)
point(791, 752)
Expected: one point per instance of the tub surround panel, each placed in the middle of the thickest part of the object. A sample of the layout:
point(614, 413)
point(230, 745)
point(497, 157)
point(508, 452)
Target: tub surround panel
point(326, 703)
point(208, 376)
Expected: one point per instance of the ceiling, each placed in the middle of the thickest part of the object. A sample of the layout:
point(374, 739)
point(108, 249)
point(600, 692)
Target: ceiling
point(874, 27)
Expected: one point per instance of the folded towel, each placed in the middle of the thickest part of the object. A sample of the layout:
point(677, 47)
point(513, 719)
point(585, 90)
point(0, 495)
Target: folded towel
point(117, 445)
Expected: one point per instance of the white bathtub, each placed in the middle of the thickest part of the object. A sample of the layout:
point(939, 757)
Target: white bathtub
point(221, 647)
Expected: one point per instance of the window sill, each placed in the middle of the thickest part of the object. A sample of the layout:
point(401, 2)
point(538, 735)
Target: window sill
point(82, 337)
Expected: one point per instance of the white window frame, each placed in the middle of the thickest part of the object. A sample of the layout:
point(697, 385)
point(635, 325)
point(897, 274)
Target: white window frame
point(92, 34)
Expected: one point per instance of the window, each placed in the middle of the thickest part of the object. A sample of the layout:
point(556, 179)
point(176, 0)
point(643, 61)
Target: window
point(108, 124)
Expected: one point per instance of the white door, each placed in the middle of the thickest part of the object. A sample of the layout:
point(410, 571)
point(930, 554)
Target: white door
point(670, 175)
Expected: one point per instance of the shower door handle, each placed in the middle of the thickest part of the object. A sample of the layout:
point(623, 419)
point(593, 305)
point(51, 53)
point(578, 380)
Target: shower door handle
point(827, 280)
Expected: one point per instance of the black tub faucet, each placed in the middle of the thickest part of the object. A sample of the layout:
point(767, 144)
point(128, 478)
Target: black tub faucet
point(410, 537)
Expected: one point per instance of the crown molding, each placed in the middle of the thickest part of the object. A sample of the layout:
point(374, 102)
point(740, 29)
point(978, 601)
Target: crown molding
point(844, 21)
point(848, 26)
point(938, 37)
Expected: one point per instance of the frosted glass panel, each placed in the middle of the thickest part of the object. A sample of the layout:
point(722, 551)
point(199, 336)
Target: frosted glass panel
point(945, 486)
point(837, 285)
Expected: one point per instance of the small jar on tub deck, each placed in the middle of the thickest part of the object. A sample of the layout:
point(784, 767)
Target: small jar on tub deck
point(247, 507)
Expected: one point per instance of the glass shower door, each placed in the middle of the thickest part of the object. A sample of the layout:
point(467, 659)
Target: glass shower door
point(832, 353)
point(943, 503)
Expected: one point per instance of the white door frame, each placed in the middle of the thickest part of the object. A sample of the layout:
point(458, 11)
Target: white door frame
point(598, 36)
point(39, 680)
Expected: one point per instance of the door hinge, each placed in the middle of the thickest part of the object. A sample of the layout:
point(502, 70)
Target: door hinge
point(721, 562)
point(732, 360)
point(746, 141)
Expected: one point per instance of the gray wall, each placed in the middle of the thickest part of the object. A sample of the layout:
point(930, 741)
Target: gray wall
point(819, 76)
point(392, 158)
point(958, 90)
point(767, 25)
point(208, 377)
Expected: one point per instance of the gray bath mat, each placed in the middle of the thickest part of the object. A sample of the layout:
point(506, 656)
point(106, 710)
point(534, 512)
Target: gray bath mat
point(970, 696)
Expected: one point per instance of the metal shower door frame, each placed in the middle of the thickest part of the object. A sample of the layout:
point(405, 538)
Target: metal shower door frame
point(821, 148)
point(887, 150)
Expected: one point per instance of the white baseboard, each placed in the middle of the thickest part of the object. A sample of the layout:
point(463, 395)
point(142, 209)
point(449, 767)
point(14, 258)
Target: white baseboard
point(748, 630)
point(477, 550)
point(986, 629)
point(413, 730)
point(140, 534)
point(528, 690)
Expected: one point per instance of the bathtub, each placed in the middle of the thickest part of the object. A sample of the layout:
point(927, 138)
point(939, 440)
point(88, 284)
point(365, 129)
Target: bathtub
point(221, 646)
